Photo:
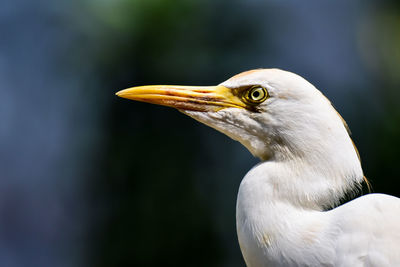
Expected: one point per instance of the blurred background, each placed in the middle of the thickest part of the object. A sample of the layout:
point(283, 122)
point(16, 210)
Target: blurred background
point(89, 179)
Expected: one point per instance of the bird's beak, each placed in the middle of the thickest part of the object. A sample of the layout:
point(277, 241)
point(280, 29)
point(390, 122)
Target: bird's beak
point(195, 98)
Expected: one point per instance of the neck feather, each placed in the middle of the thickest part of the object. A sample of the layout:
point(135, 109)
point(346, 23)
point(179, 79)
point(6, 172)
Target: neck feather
point(315, 172)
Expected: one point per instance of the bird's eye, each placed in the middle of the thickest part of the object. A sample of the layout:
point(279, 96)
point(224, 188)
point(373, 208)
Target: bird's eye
point(256, 95)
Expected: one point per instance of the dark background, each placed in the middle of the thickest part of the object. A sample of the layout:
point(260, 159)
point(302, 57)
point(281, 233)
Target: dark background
point(89, 179)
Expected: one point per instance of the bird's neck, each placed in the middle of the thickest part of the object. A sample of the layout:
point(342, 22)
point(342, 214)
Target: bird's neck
point(311, 162)
point(315, 174)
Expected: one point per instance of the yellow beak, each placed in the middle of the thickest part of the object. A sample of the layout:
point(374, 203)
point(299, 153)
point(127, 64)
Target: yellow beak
point(196, 98)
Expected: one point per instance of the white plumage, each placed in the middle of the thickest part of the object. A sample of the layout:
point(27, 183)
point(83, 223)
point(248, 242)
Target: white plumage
point(286, 213)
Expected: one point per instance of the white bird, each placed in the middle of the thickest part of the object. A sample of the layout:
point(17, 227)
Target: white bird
point(287, 213)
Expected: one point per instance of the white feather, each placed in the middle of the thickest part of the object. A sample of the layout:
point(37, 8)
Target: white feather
point(308, 164)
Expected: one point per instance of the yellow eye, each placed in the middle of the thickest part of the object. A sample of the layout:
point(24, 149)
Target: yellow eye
point(256, 95)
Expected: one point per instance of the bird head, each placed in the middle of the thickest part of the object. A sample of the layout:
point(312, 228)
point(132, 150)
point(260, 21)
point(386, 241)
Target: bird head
point(275, 114)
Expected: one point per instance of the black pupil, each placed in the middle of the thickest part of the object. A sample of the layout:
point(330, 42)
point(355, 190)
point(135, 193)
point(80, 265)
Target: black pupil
point(256, 94)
